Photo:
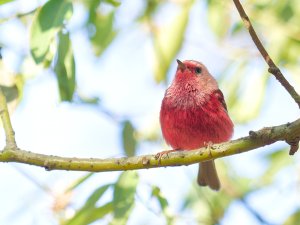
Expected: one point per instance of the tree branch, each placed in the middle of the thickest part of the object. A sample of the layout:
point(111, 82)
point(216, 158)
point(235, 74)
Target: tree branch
point(9, 132)
point(273, 69)
point(265, 136)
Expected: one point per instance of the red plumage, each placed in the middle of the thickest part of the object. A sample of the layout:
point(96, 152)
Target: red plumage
point(194, 114)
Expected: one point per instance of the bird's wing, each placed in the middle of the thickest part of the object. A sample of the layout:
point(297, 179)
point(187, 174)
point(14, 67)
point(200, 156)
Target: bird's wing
point(219, 95)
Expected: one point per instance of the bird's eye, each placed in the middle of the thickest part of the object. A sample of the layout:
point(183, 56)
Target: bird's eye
point(198, 70)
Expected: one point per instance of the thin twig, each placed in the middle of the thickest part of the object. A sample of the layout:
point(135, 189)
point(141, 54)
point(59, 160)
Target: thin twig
point(265, 136)
point(273, 69)
point(9, 132)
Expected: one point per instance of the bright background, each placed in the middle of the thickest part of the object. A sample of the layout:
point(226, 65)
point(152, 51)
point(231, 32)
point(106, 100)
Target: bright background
point(122, 77)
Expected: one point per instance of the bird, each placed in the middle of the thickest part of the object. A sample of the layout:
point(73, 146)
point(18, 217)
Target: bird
point(194, 114)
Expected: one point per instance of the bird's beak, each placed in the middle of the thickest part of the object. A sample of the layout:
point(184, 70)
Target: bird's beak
point(181, 65)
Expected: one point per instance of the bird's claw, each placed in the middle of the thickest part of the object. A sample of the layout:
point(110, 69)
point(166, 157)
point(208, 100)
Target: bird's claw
point(208, 144)
point(159, 155)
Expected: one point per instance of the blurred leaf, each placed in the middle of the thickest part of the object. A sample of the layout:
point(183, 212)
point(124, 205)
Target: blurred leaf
point(5, 1)
point(65, 67)
point(214, 205)
point(48, 20)
point(11, 92)
point(113, 2)
point(124, 193)
point(96, 195)
point(218, 17)
point(164, 205)
point(287, 12)
point(79, 181)
point(168, 41)
point(149, 10)
point(261, 5)
point(101, 28)
point(209, 206)
point(89, 100)
point(49, 55)
point(99, 213)
point(89, 212)
point(293, 219)
point(237, 27)
point(277, 160)
point(218, 206)
point(250, 99)
point(232, 84)
point(290, 50)
point(90, 215)
point(128, 138)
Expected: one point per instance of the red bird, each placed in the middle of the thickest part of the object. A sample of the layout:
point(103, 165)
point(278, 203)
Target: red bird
point(194, 114)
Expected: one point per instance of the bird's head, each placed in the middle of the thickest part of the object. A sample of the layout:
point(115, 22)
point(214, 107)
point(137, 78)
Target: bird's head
point(195, 74)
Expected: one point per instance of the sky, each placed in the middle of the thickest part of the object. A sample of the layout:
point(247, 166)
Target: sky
point(124, 81)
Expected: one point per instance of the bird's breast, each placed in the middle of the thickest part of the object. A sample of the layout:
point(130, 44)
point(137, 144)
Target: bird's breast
point(188, 123)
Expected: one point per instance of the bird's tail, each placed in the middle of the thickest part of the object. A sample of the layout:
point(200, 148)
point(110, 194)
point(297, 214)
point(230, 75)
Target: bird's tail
point(207, 175)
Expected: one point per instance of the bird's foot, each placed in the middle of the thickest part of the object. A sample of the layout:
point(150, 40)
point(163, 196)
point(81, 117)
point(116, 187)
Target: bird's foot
point(159, 155)
point(208, 145)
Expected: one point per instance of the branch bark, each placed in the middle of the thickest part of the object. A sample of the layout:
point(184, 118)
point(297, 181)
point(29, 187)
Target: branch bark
point(273, 69)
point(256, 139)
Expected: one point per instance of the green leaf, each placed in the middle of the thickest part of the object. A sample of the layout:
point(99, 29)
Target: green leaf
point(11, 92)
point(65, 67)
point(113, 2)
point(168, 41)
point(237, 27)
point(287, 12)
point(124, 193)
point(99, 213)
point(293, 219)
point(163, 202)
point(129, 141)
point(79, 181)
point(5, 1)
point(96, 195)
point(89, 212)
point(164, 205)
point(88, 100)
point(101, 27)
point(48, 20)
point(149, 10)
